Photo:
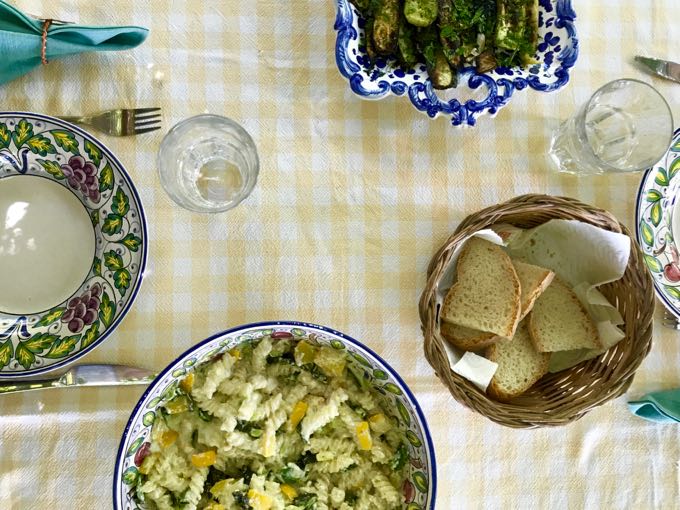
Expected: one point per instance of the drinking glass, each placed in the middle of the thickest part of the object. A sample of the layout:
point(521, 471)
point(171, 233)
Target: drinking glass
point(626, 126)
point(208, 163)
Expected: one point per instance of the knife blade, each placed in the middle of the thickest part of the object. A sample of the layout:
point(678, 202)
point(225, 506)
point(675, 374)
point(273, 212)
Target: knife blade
point(663, 68)
point(86, 375)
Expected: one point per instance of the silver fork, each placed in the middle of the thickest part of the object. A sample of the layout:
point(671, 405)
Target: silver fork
point(122, 122)
point(670, 321)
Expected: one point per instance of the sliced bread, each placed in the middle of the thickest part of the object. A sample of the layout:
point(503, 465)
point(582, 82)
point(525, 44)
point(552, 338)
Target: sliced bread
point(533, 280)
point(559, 322)
point(486, 295)
point(519, 365)
point(465, 338)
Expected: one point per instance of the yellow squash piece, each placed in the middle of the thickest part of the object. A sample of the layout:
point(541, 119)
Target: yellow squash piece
point(376, 418)
point(289, 491)
point(167, 438)
point(177, 405)
point(259, 501)
point(304, 353)
point(379, 423)
point(204, 459)
point(217, 488)
point(214, 506)
point(298, 412)
point(363, 434)
point(187, 383)
point(332, 362)
point(268, 443)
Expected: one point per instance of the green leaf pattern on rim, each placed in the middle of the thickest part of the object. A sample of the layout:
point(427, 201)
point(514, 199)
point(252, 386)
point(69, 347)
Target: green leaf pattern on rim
point(6, 353)
point(62, 347)
point(93, 153)
point(52, 316)
point(90, 335)
point(52, 168)
point(40, 145)
point(673, 291)
point(66, 140)
point(107, 310)
point(5, 136)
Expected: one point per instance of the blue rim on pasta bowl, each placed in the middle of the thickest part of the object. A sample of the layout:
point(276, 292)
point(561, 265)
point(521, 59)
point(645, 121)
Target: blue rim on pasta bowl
point(477, 93)
point(73, 244)
point(418, 490)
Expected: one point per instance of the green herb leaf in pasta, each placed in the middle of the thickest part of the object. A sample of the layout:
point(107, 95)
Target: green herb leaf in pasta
point(306, 501)
point(400, 458)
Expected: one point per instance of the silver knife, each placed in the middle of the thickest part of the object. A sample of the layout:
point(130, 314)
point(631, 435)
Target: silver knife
point(85, 375)
point(663, 68)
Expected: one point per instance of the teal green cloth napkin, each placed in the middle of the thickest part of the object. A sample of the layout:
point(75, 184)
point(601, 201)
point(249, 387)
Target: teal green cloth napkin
point(21, 41)
point(660, 406)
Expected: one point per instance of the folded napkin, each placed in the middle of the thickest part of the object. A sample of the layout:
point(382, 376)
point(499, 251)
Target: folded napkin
point(21, 41)
point(660, 406)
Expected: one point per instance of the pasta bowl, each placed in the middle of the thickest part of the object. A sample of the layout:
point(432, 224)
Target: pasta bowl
point(477, 93)
point(136, 481)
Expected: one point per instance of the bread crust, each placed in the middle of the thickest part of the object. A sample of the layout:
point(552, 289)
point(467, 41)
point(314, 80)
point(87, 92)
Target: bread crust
point(547, 279)
point(476, 343)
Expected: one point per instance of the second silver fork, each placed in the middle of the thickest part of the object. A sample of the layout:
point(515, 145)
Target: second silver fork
point(121, 122)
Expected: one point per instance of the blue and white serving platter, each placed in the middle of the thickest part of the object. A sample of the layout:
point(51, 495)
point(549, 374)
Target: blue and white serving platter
point(476, 94)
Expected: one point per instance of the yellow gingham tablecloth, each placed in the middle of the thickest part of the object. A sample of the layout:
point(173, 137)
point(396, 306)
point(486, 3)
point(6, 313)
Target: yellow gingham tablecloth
point(353, 199)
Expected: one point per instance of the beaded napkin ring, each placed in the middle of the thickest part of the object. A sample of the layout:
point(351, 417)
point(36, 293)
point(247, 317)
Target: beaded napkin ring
point(43, 46)
point(47, 23)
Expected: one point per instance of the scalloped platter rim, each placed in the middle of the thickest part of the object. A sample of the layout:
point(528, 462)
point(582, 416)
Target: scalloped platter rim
point(35, 146)
point(657, 220)
point(557, 53)
point(421, 485)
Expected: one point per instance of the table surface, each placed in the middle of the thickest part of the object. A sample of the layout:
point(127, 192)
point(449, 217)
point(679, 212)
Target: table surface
point(353, 199)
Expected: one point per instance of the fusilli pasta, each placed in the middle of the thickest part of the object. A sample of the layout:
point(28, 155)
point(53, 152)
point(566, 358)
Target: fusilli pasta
point(274, 425)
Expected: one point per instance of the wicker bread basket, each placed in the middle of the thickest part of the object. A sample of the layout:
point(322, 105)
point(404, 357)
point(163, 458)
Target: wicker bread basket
point(563, 397)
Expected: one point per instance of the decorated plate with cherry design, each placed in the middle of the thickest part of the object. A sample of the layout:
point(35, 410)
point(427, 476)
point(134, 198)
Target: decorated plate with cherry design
point(73, 243)
point(658, 225)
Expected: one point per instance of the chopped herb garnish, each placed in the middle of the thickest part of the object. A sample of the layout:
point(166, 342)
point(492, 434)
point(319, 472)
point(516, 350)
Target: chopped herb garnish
point(241, 499)
point(306, 501)
point(400, 458)
point(316, 372)
point(290, 475)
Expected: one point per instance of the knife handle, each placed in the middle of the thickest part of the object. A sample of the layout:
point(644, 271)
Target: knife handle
point(29, 385)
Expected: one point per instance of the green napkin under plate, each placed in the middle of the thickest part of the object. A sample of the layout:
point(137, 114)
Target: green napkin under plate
point(660, 406)
point(21, 41)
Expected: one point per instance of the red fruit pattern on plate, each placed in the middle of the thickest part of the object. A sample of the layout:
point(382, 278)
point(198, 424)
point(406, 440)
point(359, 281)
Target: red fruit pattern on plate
point(142, 453)
point(409, 491)
point(281, 334)
point(82, 311)
point(81, 175)
point(672, 269)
